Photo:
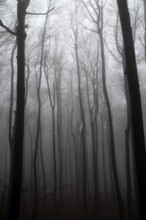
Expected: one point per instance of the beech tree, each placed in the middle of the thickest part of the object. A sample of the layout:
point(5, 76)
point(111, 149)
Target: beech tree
point(97, 7)
point(135, 102)
point(17, 157)
point(74, 159)
point(17, 151)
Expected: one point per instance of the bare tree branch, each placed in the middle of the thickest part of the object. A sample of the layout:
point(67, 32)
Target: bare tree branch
point(115, 57)
point(31, 13)
point(9, 30)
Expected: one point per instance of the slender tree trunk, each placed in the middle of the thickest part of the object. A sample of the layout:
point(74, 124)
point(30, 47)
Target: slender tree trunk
point(38, 122)
point(35, 208)
point(52, 104)
point(11, 132)
point(42, 164)
point(103, 159)
point(31, 159)
point(127, 139)
point(110, 162)
point(83, 135)
point(11, 97)
point(127, 144)
point(59, 130)
point(135, 102)
point(16, 170)
point(27, 81)
point(74, 145)
point(111, 130)
point(54, 160)
point(94, 151)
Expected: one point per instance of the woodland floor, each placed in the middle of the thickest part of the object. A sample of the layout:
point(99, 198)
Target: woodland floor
point(69, 211)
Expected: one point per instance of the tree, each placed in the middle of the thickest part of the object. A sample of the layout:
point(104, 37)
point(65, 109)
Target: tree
point(90, 68)
point(144, 6)
point(97, 9)
point(17, 157)
point(52, 104)
point(16, 170)
point(136, 108)
point(75, 32)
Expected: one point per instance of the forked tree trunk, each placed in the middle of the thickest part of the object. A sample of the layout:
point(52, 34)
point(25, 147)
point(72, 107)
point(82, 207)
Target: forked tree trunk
point(111, 132)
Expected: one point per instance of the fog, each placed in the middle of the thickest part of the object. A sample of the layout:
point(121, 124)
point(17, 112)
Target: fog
point(78, 146)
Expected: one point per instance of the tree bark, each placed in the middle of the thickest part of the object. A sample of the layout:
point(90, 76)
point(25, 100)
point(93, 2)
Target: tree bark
point(93, 120)
point(16, 171)
point(111, 131)
point(135, 102)
point(83, 136)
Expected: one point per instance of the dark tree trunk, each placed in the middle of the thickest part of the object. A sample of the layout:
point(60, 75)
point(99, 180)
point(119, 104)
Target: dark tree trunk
point(42, 164)
point(103, 157)
point(39, 127)
point(127, 143)
point(83, 135)
point(136, 108)
point(128, 128)
point(93, 120)
point(74, 146)
point(53, 104)
point(111, 132)
point(58, 76)
point(35, 208)
point(16, 170)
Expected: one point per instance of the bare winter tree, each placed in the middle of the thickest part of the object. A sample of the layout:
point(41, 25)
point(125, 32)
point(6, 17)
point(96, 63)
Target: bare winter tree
point(95, 12)
point(144, 6)
point(75, 31)
point(17, 162)
point(135, 101)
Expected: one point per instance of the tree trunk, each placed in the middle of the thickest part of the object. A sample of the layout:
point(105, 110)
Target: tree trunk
point(103, 158)
point(53, 104)
point(135, 102)
point(83, 135)
point(94, 150)
point(74, 146)
point(127, 144)
point(42, 164)
point(16, 170)
point(59, 130)
point(111, 131)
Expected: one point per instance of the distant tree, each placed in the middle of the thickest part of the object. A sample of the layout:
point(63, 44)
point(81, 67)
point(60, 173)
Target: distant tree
point(90, 68)
point(135, 102)
point(57, 62)
point(75, 31)
point(38, 139)
point(96, 17)
point(144, 6)
point(52, 100)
